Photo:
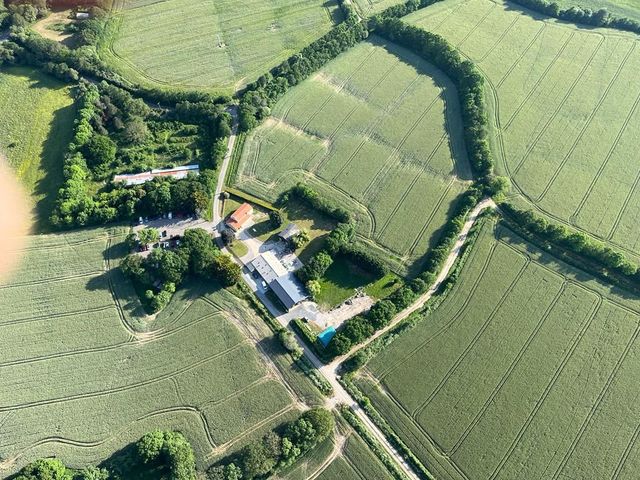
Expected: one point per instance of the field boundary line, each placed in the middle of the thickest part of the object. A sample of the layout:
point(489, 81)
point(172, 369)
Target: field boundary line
point(236, 393)
point(122, 388)
point(596, 405)
point(498, 40)
point(510, 70)
point(414, 181)
point(540, 79)
point(510, 370)
point(333, 93)
point(559, 107)
point(461, 358)
point(614, 227)
point(586, 126)
point(625, 454)
point(475, 27)
point(116, 300)
point(607, 158)
point(558, 372)
point(448, 324)
point(53, 316)
point(51, 280)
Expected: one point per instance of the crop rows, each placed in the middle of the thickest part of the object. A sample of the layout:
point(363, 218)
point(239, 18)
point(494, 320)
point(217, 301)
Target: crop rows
point(375, 133)
point(213, 44)
point(565, 109)
point(79, 383)
point(517, 325)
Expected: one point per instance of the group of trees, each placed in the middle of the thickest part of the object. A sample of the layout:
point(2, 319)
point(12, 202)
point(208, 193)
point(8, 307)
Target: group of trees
point(277, 449)
point(112, 133)
point(574, 241)
point(196, 255)
point(260, 96)
point(586, 16)
point(54, 469)
point(170, 451)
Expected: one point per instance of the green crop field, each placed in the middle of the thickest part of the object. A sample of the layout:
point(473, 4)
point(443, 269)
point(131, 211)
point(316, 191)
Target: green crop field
point(219, 45)
point(356, 462)
point(565, 106)
point(521, 373)
point(77, 381)
point(35, 103)
point(377, 131)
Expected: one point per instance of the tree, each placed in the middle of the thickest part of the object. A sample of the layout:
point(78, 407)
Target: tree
point(300, 239)
point(45, 469)
point(314, 288)
point(340, 344)
point(322, 421)
point(100, 152)
point(256, 460)
point(94, 473)
point(170, 266)
point(226, 270)
point(136, 131)
point(276, 218)
point(228, 236)
point(198, 245)
point(150, 446)
point(148, 235)
point(132, 266)
point(316, 267)
point(288, 341)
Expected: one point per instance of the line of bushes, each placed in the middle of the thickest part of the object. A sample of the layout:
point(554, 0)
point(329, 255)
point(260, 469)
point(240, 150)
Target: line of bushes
point(357, 329)
point(347, 382)
point(308, 196)
point(600, 259)
point(582, 15)
point(373, 444)
point(277, 449)
point(403, 9)
point(260, 96)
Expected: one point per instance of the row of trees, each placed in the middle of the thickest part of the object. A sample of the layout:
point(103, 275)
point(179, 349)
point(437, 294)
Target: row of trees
point(585, 16)
point(277, 449)
point(260, 96)
point(308, 196)
point(196, 255)
point(54, 469)
point(574, 241)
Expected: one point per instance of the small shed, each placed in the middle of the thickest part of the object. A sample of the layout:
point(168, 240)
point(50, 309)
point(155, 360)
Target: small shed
point(326, 336)
point(289, 232)
point(82, 16)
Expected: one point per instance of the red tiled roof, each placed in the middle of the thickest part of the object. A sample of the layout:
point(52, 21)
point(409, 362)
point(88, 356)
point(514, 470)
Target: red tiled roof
point(240, 216)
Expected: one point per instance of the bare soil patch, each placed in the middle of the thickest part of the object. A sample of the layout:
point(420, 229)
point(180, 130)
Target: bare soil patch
point(58, 17)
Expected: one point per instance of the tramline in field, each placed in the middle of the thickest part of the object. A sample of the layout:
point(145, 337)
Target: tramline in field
point(521, 373)
point(566, 111)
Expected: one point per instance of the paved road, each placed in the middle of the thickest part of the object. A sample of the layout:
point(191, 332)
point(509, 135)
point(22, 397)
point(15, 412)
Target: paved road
point(330, 371)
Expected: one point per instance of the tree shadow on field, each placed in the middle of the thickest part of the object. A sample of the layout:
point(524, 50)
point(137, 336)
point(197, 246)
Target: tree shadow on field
point(53, 150)
point(335, 12)
point(127, 465)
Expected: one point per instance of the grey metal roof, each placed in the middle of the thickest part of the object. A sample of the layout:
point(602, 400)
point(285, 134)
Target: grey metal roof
point(288, 289)
point(289, 231)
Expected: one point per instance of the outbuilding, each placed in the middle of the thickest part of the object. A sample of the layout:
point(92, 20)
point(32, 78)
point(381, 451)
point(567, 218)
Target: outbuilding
point(240, 217)
point(283, 283)
point(289, 232)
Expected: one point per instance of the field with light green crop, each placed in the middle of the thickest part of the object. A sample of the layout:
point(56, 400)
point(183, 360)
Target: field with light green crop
point(34, 103)
point(370, 7)
point(376, 131)
point(523, 372)
point(209, 44)
point(355, 462)
point(78, 381)
point(565, 111)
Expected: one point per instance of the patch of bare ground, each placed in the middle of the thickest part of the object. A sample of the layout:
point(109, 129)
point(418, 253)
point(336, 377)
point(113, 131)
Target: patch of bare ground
point(280, 123)
point(60, 17)
point(16, 219)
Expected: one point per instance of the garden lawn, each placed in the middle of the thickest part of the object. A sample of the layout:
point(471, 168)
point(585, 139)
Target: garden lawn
point(376, 131)
point(565, 111)
point(78, 381)
point(36, 119)
point(523, 371)
point(215, 45)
